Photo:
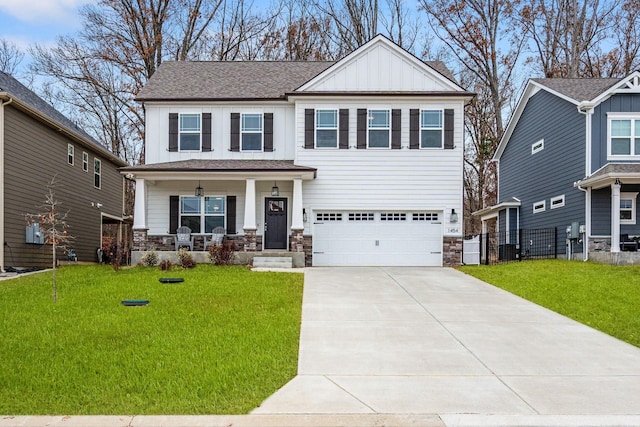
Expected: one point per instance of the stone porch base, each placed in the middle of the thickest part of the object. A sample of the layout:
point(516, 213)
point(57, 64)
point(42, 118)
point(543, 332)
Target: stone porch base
point(240, 258)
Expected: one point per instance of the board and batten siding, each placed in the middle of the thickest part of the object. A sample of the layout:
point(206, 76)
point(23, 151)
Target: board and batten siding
point(548, 173)
point(157, 132)
point(382, 179)
point(34, 154)
point(618, 103)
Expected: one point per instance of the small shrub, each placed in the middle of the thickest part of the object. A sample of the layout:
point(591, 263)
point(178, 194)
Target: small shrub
point(165, 265)
point(185, 259)
point(222, 254)
point(149, 258)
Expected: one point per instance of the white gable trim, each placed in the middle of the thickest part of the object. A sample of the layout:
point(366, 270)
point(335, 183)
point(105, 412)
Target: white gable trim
point(371, 44)
point(629, 84)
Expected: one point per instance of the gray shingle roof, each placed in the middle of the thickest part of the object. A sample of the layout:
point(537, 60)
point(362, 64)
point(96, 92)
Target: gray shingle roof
point(578, 89)
point(193, 165)
point(194, 80)
point(16, 89)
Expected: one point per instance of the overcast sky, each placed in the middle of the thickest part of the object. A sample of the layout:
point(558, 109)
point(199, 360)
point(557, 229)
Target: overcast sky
point(25, 22)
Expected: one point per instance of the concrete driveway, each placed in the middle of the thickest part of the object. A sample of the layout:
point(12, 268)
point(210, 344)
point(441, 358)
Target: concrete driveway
point(435, 341)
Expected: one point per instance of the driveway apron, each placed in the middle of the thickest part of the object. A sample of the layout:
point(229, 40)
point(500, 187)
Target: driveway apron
point(436, 341)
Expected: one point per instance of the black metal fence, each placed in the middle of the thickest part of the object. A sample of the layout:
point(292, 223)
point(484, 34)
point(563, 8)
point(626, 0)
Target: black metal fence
point(518, 245)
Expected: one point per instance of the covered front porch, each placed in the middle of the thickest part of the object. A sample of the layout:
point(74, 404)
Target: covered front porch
point(258, 205)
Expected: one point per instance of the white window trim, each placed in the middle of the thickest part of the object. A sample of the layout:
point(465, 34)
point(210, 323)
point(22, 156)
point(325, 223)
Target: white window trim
point(556, 202)
point(85, 161)
point(537, 146)
point(202, 213)
point(632, 197)
point(180, 132)
point(254, 132)
point(540, 206)
point(388, 128)
point(441, 129)
point(97, 173)
point(621, 116)
point(316, 128)
point(71, 154)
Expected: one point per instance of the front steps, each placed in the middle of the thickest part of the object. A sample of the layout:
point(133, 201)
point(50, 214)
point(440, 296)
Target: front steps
point(272, 262)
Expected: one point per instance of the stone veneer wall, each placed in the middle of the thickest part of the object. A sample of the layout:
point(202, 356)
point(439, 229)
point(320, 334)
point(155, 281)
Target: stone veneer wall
point(599, 244)
point(451, 251)
point(166, 243)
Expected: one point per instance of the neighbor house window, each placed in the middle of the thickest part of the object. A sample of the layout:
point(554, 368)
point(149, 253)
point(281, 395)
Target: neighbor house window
point(202, 214)
point(628, 208)
point(85, 161)
point(97, 172)
point(251, 130)
point(539, 206)
point(624, 136)
point(431, 132)
point(189, 132)
point(557, 202)
point(379, 129)
point(326, 128)
point(70, 153)
point(537, 146)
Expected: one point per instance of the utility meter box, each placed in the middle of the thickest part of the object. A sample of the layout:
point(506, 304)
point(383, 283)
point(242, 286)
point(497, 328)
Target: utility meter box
point(34, 235)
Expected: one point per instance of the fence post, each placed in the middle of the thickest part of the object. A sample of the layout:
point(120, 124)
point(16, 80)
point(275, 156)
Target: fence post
point(520, 244)
point(486, 249)
point(555, 242)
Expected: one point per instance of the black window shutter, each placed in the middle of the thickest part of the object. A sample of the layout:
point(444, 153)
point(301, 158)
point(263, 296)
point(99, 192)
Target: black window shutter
point(414, 128)
point(231, 214)
point(448, 129)
point(206, 131)
point(235, 132)
point(174, 213)
point(268, 132)
point(362, 128)
point(309, 127)
point(173, 131)
point(396, 128)
point(343, 127)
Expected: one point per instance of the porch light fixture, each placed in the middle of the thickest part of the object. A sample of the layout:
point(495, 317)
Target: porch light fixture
point(618, 181)
point(304, 215)
point(199, 190)
point(275, 191)
point(454, 216)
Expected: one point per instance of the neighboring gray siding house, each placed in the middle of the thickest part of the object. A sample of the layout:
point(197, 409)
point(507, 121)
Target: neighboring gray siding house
point(354, 162)
point(38, 143)
point(571, 155)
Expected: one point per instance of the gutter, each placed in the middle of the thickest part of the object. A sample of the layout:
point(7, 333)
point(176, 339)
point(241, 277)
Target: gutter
point(586, 108)
point(2, 160)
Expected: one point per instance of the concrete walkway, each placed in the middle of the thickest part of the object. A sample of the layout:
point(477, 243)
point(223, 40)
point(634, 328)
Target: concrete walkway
point(435, 341)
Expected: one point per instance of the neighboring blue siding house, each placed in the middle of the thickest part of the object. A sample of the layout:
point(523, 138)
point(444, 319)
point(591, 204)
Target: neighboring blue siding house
point(570, 155)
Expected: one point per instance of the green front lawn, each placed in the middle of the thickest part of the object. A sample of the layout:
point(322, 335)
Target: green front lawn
point(219, 343)
point(604, 297)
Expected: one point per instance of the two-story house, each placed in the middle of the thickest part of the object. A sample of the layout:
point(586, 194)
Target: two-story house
point(355, 162)
point(570, 158)
point(38, 144)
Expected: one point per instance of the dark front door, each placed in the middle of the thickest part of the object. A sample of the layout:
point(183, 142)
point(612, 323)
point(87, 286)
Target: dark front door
point(275, 225)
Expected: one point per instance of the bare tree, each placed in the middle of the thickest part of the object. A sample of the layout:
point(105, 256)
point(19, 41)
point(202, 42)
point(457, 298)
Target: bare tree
point(565, 33)
point(10, 57)
point(354, 22)
point(53, 222)
point(400, 24)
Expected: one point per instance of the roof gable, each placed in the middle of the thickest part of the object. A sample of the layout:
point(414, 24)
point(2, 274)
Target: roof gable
point(381, 65)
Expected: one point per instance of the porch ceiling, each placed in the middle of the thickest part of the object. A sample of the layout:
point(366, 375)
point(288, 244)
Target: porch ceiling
point(222, 169)
point(627, 173)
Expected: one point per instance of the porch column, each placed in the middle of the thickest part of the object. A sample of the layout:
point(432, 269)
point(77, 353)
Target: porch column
point(615, 216)
point(296, 241)
point(140, 208)
point(250, 226)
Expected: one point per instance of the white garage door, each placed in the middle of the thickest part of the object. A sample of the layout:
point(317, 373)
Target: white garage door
point(377, 239)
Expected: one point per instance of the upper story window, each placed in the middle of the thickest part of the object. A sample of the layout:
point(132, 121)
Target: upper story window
point(97, 173)
point(251, 132)
point(189, 132)
point(540, 206)
point(70, 153)
point(85, 161)
point(326, 128)
point(202, 214)
point(379, 129)
point(431, 131)
point(537, 146)
point(624, 136)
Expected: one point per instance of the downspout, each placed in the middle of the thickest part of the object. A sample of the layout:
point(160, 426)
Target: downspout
point(586, 108)
point(2, 159)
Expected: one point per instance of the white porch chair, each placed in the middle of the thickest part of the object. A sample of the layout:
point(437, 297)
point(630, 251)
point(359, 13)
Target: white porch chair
point(184, 238)
point(216, 237)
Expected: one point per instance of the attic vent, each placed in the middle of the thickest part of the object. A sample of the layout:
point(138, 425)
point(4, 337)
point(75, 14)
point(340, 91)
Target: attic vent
point(537, 146)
